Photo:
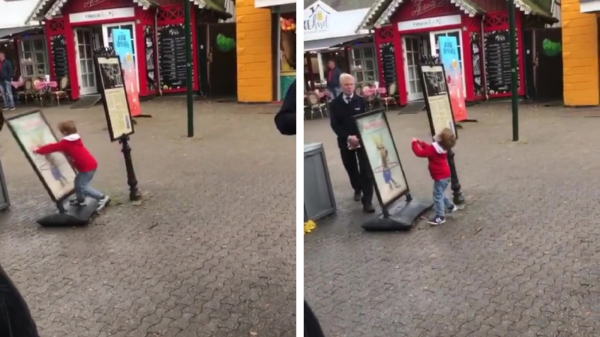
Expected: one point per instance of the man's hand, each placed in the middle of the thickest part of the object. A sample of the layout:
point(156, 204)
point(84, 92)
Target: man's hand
point(353, 140)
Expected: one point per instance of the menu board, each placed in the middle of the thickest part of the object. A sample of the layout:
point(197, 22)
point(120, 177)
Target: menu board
point(149, 46)
point(171, 56)
point(497, 62)
point(388, 61)
point(58, 48)
point(476, 53)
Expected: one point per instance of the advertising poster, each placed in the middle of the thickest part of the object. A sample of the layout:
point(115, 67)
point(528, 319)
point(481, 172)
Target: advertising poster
point(383, 158)
point(450, 60)
point(436, 93)
point(119, 119)
point(123, 45)
point(31, 132)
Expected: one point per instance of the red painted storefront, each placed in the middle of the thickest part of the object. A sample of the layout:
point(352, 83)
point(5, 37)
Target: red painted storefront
point(472, 28)
point(169, 12)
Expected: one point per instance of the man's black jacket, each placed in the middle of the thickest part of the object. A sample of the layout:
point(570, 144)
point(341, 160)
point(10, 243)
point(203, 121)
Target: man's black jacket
point(286, 117)
point(335, 78)
point(15, 318)
point(341, 115)
point(7, 71)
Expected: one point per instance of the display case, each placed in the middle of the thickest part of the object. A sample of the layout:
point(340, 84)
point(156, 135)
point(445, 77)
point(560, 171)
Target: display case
point(319, 200)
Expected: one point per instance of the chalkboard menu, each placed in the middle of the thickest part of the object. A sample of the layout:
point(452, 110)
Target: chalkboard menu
point(149, 46)
point(171, 56)
point(58, 48)
point(388, 61)
point(497, 62)
point(477, 60)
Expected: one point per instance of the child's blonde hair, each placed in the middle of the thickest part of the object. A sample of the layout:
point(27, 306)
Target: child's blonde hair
point(446, 139)
point(67, 127)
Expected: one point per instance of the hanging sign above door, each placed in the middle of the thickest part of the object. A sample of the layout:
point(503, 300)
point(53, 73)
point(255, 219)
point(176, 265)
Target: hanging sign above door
point(439, 21)
point(102, 15)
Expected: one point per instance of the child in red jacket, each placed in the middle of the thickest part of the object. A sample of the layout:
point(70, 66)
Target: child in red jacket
point(83, 161)
point(437, 154)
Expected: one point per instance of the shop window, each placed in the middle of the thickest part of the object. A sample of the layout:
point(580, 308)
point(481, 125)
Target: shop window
point(34, 57)
point(364, 65)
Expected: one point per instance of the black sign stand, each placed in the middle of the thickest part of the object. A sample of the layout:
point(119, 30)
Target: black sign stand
point(396, 215)
point(458, 197)
point(134, 193)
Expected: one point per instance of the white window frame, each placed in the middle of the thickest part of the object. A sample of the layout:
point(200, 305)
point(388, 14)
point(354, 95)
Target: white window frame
point(24, 62)
point(359, 51)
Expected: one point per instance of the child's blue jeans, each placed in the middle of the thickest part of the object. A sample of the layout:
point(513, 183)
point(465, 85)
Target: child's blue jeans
point(441, 202)
point(83, 186)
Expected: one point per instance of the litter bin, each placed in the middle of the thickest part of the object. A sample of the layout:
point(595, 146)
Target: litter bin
point(319, 200)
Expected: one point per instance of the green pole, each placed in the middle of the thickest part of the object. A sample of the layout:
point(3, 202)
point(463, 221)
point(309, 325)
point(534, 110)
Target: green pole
point(513, 70)
point(188, 65)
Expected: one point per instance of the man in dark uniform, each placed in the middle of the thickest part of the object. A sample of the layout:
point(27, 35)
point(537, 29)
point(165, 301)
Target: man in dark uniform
point(342, 110)
point(15, 318)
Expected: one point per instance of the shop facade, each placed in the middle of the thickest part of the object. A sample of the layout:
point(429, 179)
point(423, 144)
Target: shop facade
point(270, 69)
point(73, 29)
point(332, 35)
point(404, 31)
point(581, 65)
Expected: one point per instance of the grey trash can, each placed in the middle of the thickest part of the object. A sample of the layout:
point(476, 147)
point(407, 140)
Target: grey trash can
point(319, 200)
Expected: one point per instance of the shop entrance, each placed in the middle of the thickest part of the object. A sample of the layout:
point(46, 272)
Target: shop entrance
point(418, 45)
point(85, 61)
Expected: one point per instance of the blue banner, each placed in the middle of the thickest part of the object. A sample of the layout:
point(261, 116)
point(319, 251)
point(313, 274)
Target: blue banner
point(451, 61)
point(122, 43)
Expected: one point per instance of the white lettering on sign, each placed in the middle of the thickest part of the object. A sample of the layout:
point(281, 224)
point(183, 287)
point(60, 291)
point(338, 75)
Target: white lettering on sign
point(102, 15)
point(92, 3)
point(424, 6)
point(429, 23)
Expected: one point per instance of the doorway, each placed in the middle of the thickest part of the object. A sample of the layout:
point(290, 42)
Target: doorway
point(222, 59)
point(108, 41)
point(85, 61)
point(412, 56)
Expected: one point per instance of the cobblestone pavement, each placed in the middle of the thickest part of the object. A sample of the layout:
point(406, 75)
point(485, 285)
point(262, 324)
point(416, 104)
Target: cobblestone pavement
point(521, 260)
point(210, 253)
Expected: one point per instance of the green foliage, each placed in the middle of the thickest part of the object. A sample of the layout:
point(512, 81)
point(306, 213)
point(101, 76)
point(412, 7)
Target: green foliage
point(224, 43)
point(551, 48)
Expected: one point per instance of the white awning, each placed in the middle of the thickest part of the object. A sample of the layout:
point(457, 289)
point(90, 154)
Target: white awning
point(316, 45)
point(8, 32)
point(589, 6)
point(272, 3)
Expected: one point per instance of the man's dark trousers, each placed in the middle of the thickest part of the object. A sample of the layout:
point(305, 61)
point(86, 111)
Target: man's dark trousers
point(356, 164)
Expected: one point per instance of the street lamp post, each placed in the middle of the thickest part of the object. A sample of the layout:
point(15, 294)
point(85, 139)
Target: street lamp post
point(188, 65)
point(513, 70)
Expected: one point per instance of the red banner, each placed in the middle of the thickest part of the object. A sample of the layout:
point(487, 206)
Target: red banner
point(131, 85)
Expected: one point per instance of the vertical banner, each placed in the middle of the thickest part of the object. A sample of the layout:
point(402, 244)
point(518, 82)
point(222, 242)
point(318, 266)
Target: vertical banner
point(123, 45)
point(450, 59)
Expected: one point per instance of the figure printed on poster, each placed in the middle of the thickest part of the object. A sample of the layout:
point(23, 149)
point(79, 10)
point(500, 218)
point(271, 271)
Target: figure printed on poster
point(383, 158)
point(32, 131)
point(438, 99)
point(435, 83)
point(111, 75)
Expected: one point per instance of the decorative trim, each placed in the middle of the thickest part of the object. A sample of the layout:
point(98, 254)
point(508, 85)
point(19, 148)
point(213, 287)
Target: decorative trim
point(365, 22)
point(523, 7)
point(465, 7)
point(385, 17)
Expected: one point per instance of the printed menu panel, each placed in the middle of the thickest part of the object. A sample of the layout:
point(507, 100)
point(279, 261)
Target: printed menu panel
point(171, 56)
point(388, 60)
point(58, 48)
point(497, 62)
point(149, 46)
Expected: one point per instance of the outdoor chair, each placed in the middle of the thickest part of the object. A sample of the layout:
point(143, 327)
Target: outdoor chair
point(28, 91)
point(315, 104)
point(63, 84)
point(389, 97)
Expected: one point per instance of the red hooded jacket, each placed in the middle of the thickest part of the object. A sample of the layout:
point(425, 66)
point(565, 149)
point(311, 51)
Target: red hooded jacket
point(72, 147)
point(437, 156)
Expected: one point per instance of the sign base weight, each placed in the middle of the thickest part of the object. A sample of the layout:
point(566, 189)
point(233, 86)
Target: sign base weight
point(402, 216)
point(73, 216)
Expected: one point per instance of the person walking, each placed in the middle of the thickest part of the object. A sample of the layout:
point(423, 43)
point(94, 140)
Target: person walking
point(333, 79)
point(6, 74)
point(342, 110)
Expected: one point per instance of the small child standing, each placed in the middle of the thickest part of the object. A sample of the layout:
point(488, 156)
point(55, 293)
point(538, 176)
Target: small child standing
point(72, 147)
point(437, 154)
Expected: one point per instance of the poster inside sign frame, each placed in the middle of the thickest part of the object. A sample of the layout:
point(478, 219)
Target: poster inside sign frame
point(116, 104)
point(385, 167)
point(31, 130)
point(437, 99)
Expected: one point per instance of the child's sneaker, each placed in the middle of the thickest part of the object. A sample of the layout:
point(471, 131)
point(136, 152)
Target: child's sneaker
point(452, 209)
point(436, 220)
point(103, 202)
point(77, 203)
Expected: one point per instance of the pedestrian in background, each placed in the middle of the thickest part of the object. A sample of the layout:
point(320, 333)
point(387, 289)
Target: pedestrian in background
point(437, 154)
point(356, 162)
point(333, 79)
point(6, 73)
